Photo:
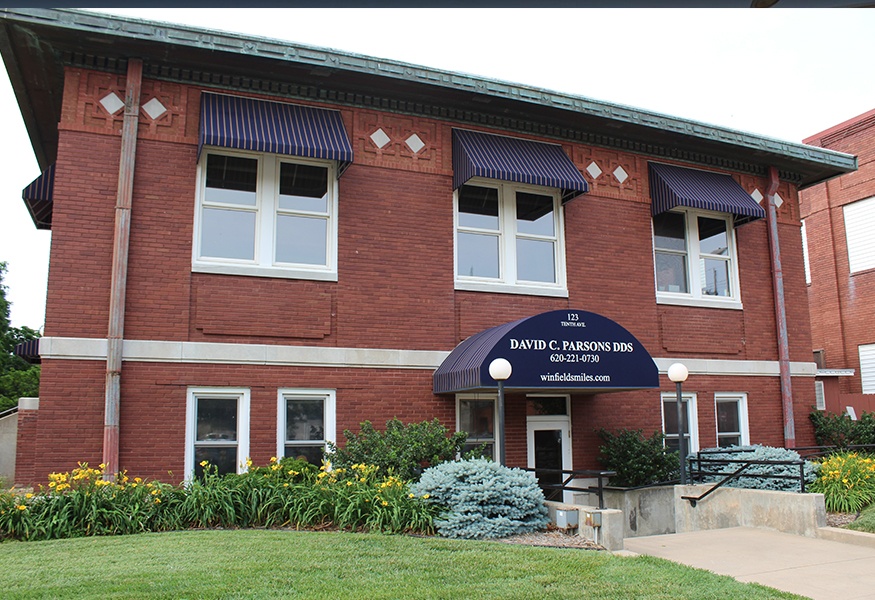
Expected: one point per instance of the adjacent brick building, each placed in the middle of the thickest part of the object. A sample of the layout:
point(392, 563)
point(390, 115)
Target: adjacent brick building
point(257, 245)
point(839, 220)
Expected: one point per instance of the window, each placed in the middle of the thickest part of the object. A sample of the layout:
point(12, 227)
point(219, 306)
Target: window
point(268, 215)
point(867, 368)
point(475, 414)
point(694, 257)
point(305, 423)
point(819, 398)
point(217, 430)
point(670, 421)
point(732, 425)
point(806, 263)
point(509, 238)
point(859, 223)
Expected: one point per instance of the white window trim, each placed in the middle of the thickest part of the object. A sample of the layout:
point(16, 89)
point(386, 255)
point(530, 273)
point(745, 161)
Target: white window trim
point(329, 399)
point(743, 422)
point(695, 297)
point(507, 282)
point(867, 367)
point(819, 396)
point(243, 403)
point(264, 264)
point(859, 219)
point(806, 263)
point(692, 416)
point(496, 443)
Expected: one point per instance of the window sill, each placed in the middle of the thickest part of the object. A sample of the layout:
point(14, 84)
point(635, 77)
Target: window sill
point(724, 303)
point(503, 288)
point(254, 271)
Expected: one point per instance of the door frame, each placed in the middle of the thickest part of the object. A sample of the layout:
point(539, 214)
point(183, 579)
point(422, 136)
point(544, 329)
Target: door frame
point(550, 422)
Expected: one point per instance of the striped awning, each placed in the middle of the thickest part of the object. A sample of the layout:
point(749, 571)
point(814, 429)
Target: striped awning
point(29, 351)
point(38, 198)
point(672, 186)
point(275, 127)
point(477, 154)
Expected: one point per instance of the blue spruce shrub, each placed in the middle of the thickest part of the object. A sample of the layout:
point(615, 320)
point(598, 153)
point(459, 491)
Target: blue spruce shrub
point(483, 499)
point(741, 454)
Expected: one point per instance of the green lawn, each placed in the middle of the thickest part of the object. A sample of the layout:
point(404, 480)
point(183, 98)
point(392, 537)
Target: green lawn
point(290, 564)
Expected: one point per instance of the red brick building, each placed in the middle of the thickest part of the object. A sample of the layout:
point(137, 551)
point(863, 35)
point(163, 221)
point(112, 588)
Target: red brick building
point(257, 245)
point(839, 217)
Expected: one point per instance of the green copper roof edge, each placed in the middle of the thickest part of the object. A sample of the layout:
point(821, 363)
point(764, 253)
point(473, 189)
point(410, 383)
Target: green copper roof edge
point(168, 33)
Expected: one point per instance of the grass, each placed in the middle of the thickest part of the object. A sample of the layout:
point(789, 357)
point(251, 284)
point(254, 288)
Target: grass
point(866, 520)
point(292, 564)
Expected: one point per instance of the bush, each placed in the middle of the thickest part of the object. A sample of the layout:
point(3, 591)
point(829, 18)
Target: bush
point(735, 457)
point(483, 499)
point(840, 431)
point(638, 460)
point(400, 450)
point(847, 482)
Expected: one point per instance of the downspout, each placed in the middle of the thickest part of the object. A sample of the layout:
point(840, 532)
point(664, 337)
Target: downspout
point(121, 242)
point(780, 311)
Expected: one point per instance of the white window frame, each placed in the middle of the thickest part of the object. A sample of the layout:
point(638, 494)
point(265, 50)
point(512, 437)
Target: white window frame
point(867, 367)
point(243, 403)
point(819, 396)
point(692, 417)
point(740, 398)
point(694, 274)
point(859, 222)
point(495, 425)
point(507, 281)
point(329, 405)
point(805, 260)
point(264, 264)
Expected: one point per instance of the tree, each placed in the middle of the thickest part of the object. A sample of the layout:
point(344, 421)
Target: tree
point(18, 378)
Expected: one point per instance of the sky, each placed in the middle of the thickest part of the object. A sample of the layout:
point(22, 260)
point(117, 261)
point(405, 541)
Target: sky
point(780, 73)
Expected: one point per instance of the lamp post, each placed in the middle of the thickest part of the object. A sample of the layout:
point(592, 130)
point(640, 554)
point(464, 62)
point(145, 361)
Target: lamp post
point(500, 370)
point(678, 373)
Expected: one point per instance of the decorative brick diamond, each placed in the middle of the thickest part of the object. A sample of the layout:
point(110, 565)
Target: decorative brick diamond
point(415, 143)
point(757, 195)
point(112, 103)
point(778, 200)
point(154, 108)
point(593, 170)
point(380, 138)
point(621, 174)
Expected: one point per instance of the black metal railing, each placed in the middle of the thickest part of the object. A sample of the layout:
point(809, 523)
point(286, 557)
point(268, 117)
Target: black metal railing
point(702, 467)
point(9, 411)
point(821, 451)
point(554, 490)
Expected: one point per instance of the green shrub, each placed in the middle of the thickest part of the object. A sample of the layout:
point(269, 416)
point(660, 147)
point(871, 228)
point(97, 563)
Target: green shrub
point(840, 431)
point(638, 460)
point(847, 482)
point(483, 499)
point(737, 455)
point(400, 450)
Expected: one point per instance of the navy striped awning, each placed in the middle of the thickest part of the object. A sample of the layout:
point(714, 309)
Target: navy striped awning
point(275, 127)
point(462, 369)
point(477, 154)
point(672, 186)
point(38, 198)
point(29, 351)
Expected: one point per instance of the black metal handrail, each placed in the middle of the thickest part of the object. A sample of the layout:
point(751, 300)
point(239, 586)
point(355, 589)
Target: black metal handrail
point(699, 473)
point(820, 451)
point(9, 411)
point(598, 490)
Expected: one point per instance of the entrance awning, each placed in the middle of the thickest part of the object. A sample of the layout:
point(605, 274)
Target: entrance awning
point(568, 350)
point(672, 186)
point(38, 198)
point(28, 350)
point(491, 156)
point(275, 127)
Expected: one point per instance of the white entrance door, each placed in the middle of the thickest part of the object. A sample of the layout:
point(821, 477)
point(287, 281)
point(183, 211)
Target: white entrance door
point(549, 447)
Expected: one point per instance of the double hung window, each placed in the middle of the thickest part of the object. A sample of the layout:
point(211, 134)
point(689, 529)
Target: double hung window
point(266, 214)
point(217, 430)
point(509, 238)
point(695, 259)
point(306, 423)
point(732, 424)
point(859, 221)
point(689, 417)
point(476, 416)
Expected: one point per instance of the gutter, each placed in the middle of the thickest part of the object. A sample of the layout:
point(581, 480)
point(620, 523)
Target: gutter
point(121, 245)
point(780, 311)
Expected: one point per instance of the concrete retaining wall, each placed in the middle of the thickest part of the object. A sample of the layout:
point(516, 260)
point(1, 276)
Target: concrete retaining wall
point(8, 441)
point(649, 511)
point(788, 512)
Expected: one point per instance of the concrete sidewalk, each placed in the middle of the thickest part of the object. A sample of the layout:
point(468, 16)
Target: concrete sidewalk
point(814, 567)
